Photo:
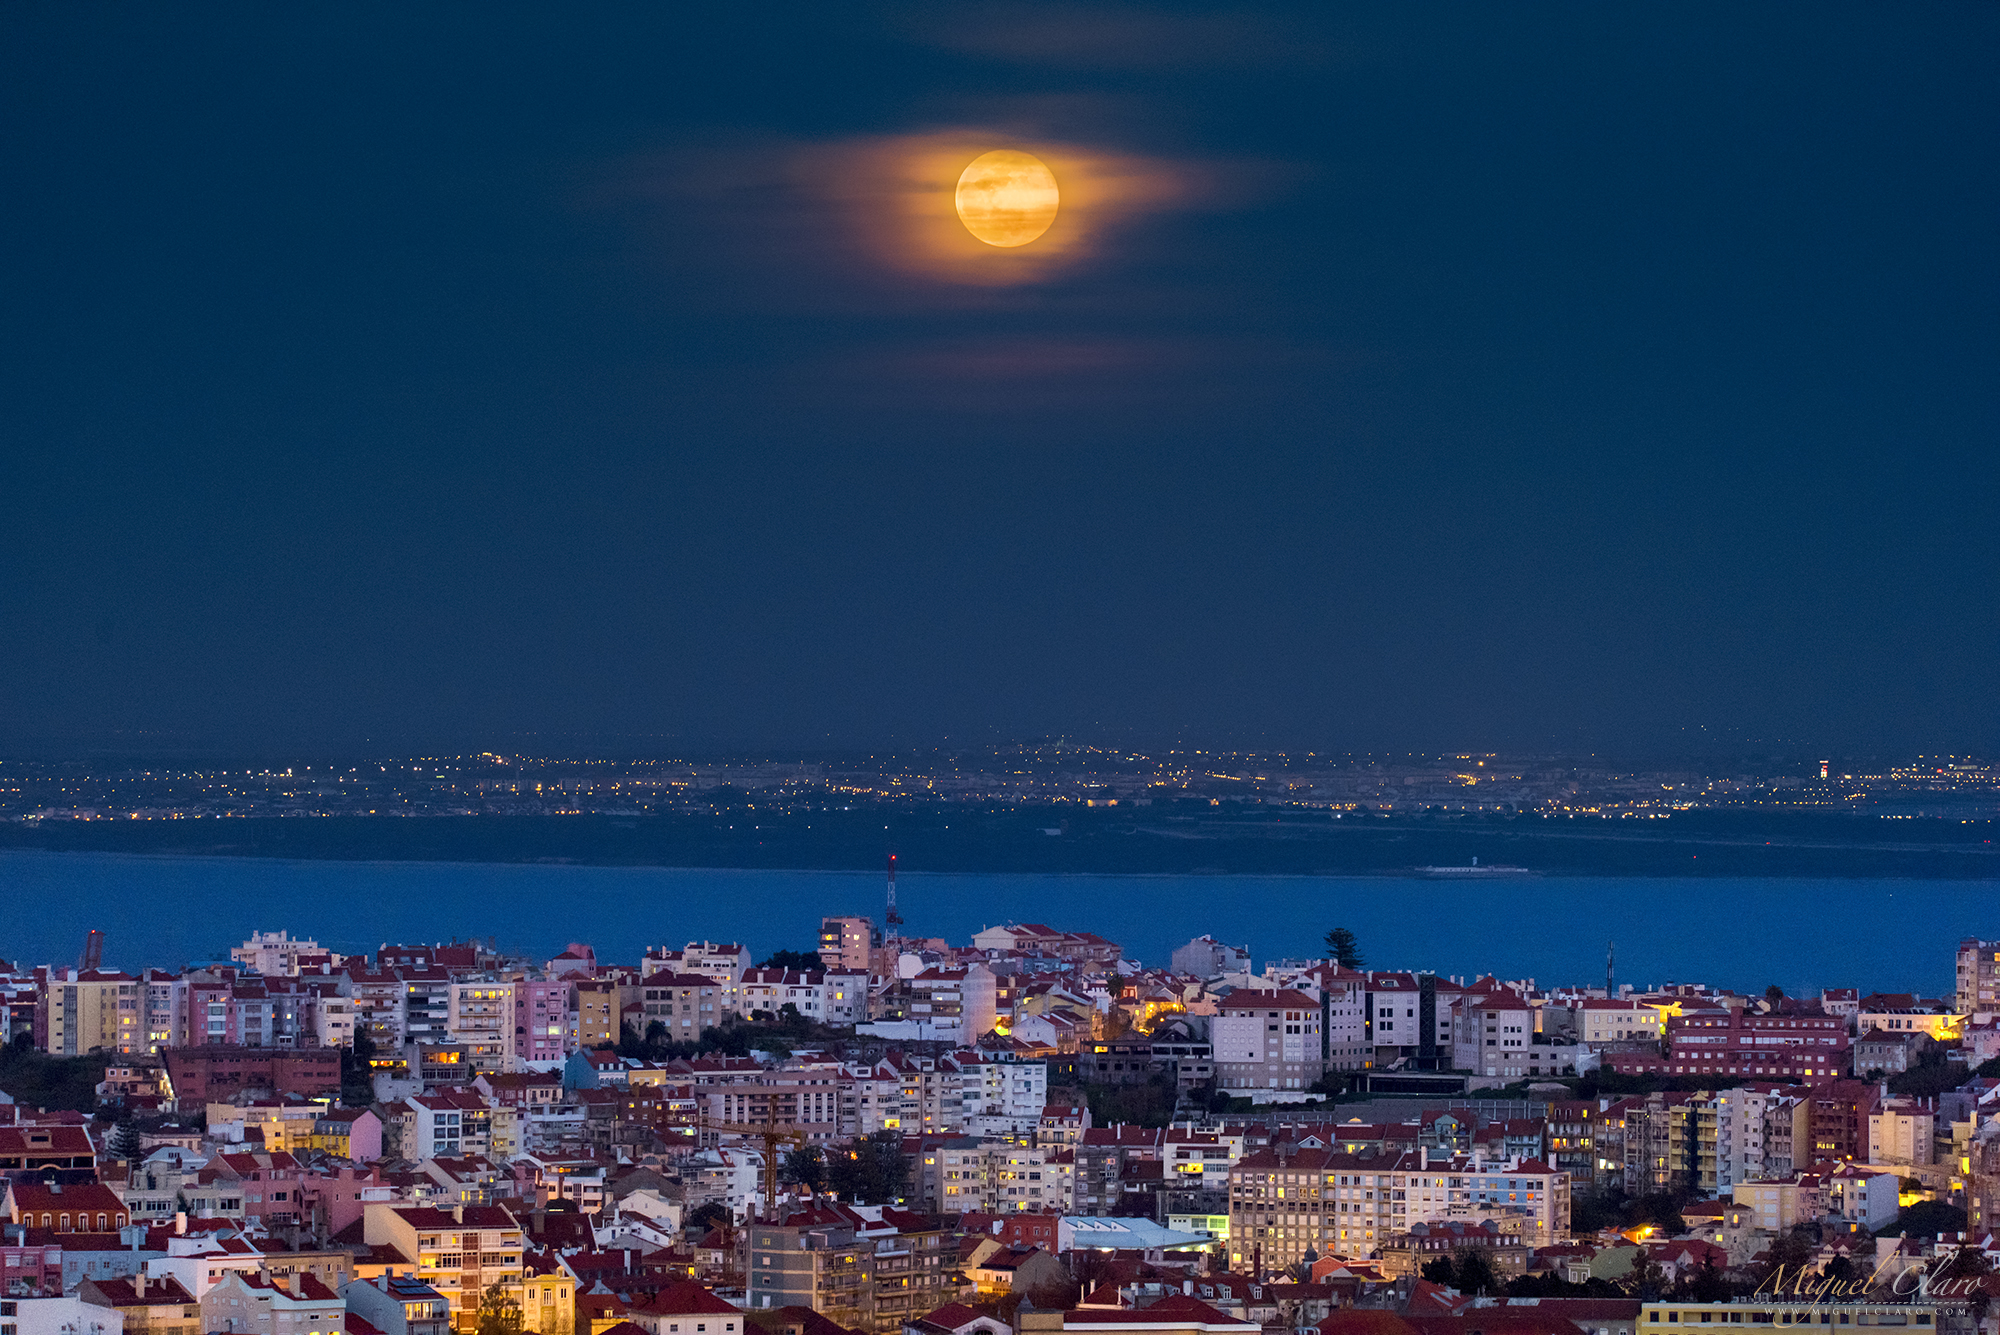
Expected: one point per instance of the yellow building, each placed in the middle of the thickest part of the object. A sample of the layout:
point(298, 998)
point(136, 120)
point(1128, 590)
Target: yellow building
point(1778, 1204)
point(1618, 1022)
point(1940, 1026)
point(548, 1303)
point(94, 1011)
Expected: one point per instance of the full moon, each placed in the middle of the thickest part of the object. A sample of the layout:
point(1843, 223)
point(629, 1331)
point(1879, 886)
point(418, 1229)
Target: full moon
point(1007, 198)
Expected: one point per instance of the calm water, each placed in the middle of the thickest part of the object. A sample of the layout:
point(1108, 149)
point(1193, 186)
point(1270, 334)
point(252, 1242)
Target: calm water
point(1890, 935)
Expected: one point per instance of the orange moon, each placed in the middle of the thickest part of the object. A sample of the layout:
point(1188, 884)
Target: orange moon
point(1007, 198)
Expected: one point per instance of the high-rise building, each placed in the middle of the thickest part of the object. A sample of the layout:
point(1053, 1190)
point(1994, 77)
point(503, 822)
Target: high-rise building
point(1978, 976)
point(845, 943)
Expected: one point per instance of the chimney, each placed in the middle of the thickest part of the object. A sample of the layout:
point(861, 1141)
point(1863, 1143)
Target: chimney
point(180, 1221)
point(139, 1282)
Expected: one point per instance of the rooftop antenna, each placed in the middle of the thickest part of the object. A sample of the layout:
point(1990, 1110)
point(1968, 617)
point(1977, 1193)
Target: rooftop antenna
point(1610, 948)
point(894, 919)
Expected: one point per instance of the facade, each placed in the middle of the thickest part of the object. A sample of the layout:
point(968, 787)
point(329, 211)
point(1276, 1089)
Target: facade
point(1284, 1202)
point(93, 1011)
point(1206, 957)
point(1494, 1030)
point(1978, 990)
point(482, 1017)
point(460, 1252)
point(404, 1305)
point(1778, 1046)
point(838, 997)
point(1268, 1040)
point(212, 1074)
point(1902, 1131)
point(243, 1303)
point(864, 1267)
point(1600, 1022)
point(276, 954)
point(685, 1003)
point(845, 943)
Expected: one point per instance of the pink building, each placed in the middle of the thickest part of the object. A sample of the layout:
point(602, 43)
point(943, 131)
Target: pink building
point(273, 1186)
point(344, 1195)
point(541, 1020)
point(30, 1272)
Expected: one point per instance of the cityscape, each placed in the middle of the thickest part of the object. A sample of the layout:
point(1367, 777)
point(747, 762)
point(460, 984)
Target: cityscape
point(1035, 667)
point(879, 1132)
point(1048, 774)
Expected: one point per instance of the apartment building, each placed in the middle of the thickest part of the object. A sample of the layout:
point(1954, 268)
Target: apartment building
point(685, 1003)
point(480, 1015)
point(277, 955)
point(92, 1010)
point(1978, 988)
point(1284, 1201)
point(723, 964)
point(460, 1252)
point(1902, 1131)
point(845, 943)
point(1494, 1030)
point(1268, 1040)
point(838, 997)
point(870, 1268)
point(998, 1177)
point(541, 1021)
point(1600, 1022)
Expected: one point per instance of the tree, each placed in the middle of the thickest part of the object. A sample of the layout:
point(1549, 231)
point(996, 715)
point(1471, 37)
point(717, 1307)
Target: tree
point(872, 1169)
point(124, 1137)
point(1343, 948)
point(1440, 1271)
point(711, 1214)
point(806, 1166)
point(791, 959)
point(1927, 1219)
point(1473, 1271)
point(1774, 994)
point(499, 1314)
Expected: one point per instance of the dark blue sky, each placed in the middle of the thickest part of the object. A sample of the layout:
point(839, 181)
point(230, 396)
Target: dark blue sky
point(1578, 375)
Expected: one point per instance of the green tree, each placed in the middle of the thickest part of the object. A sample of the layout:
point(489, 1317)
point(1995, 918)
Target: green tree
point(1343, 949)
point(1774, 994)
point(872, 1169)
point(1439, 1271)
point(1472, 1271)
point(124, 1137)
point(1927, 1219)
point(711, 1214)
point(805, 1165)
point(499, 1314)
point(791, 959)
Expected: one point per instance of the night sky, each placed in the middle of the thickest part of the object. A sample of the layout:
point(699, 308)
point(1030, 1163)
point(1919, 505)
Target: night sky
point(1415, 376)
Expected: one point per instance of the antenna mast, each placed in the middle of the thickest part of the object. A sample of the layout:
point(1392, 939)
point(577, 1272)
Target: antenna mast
point(1610, 993)
point(894, 919)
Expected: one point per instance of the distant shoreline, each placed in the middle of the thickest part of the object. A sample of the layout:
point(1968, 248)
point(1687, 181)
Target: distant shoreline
point(1092, 843)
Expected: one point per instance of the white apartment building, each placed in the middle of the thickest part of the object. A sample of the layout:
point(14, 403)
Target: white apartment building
point(1267, 1040)
point(723, 963)
point(481, 1016)
point(1494, 1030)
point(829, 997)
point(274, 954)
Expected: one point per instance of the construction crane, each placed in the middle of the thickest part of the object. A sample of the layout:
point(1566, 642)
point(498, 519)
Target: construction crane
point(773, 1134)
point(93, 951)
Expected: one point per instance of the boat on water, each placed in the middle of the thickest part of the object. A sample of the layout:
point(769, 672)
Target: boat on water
point(1475, 871)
